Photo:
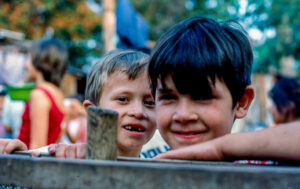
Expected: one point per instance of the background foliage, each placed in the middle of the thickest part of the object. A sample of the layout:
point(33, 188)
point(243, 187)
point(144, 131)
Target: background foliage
point(71, 20)
point(277, 21)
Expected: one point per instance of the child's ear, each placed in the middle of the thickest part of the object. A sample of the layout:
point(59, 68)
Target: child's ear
point(244, 103)
point(87, 103)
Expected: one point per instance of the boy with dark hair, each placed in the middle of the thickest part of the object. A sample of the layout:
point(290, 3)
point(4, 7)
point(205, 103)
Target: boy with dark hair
point(200, 75)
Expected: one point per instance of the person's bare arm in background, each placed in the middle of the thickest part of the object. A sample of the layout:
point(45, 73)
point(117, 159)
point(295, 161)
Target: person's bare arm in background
point(39, 114)
point(282, 142)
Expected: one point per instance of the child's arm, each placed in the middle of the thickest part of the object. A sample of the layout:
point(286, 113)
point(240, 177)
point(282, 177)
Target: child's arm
point(281, 142)
point(7, 146)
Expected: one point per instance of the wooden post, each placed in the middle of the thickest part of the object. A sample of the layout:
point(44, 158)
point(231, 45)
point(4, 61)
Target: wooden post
point(102, 127)
point(109, 24)
point(262, 97)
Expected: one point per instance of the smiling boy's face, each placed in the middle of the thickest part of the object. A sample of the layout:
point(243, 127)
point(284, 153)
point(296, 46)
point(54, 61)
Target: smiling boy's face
point(133, 101)
point(183, 121)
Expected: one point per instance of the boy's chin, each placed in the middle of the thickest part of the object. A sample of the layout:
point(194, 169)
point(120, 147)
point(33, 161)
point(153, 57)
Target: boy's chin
point(177, 145)
point(132, 143)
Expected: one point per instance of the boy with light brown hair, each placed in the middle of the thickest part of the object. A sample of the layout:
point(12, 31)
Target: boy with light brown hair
point(118, 81)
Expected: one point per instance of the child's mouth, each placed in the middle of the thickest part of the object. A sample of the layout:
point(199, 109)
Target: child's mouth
point(189, 135)
point(134, 129)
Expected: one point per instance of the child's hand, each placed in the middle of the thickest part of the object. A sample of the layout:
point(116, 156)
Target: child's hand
point(7, 146)
point(77, 151)
point(207, 151)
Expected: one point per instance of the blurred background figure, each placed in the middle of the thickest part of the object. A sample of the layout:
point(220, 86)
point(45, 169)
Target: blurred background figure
point(75, 123)
point(2, 96)
point(12, 116)
point(285, 96)
point(44, 112)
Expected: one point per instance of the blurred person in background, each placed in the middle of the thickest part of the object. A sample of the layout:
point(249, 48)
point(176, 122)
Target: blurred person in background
point(44, 112)
point(12, 116)
point(2, 96)
point(75, 122)
point(285, 96)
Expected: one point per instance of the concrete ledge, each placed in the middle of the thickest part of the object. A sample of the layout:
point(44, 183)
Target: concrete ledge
point(45, 172)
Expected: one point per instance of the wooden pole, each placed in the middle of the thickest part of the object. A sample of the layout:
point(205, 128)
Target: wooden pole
point(102, 127)
point(109, 25)
point(262, 97)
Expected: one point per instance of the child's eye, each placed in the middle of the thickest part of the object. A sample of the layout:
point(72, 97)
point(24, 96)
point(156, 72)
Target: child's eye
point(122, 99)
point(203, 98)
point(149, 102)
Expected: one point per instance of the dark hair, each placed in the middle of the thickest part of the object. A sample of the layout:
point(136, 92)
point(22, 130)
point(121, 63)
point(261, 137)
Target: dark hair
point(197, 50)
point(286, 91)
point(50, 57)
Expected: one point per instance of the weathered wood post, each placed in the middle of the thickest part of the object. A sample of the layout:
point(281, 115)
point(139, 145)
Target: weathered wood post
point(102, 127)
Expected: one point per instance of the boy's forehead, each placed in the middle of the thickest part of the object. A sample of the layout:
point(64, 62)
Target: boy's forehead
point(118, 73)
point(123, 75)
point(167, 84)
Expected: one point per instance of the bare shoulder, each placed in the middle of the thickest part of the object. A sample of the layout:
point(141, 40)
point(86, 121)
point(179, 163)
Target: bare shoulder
point(37, 94)
point(55, 93)
point(39, 98)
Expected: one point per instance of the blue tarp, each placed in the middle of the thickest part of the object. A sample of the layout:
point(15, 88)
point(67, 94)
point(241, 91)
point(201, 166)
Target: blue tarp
point(131, 26)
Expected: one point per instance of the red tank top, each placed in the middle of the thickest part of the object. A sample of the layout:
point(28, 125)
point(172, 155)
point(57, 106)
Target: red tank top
point(55, 118)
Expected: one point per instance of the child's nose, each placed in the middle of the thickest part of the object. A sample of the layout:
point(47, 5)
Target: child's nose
point(184, 113)
point(137, 110)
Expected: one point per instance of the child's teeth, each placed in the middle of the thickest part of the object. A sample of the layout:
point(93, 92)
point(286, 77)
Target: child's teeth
point(130, 128)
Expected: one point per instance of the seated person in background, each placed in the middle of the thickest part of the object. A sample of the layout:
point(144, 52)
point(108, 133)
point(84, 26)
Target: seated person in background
point(75, 123)
point(285, 96)
point(44, 112)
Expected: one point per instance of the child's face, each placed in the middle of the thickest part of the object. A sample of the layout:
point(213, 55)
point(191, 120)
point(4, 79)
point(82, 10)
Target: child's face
point(183, 121)
point(133, 101)
point(278, 117)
